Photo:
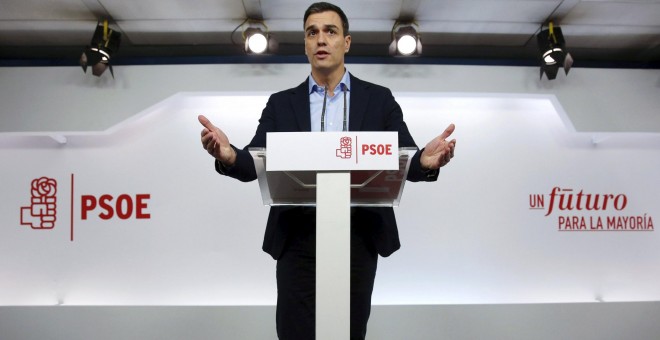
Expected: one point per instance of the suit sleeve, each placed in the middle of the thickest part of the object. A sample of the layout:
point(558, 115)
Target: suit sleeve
point(395, 122)
point(244, 169)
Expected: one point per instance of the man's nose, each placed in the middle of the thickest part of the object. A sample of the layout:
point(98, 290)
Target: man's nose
point(321, 40)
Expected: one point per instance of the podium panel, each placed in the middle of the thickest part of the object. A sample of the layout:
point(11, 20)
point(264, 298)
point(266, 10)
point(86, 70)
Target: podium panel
point(375, 188)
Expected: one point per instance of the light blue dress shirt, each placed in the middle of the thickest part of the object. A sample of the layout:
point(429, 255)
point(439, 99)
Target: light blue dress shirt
point(334, 106)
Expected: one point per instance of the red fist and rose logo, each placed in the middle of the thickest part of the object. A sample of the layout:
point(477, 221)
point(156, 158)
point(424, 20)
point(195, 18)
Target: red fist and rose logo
point(41, 214)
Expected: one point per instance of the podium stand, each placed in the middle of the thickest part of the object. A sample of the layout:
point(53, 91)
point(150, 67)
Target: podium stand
point(333, 193)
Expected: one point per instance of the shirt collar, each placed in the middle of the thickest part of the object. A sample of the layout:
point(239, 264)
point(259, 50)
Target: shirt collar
point(345, 80)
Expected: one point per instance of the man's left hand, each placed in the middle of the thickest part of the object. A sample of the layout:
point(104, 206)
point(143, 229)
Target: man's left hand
point(438, 152)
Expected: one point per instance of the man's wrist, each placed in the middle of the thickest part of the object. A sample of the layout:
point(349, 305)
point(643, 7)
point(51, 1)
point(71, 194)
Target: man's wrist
point(225, 166)
point(430, 173)
point(231, 160)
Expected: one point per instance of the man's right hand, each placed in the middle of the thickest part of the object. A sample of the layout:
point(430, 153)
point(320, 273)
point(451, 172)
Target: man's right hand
point(216, 143)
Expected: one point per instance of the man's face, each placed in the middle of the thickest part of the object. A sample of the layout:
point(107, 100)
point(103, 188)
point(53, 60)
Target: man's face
point(325, 44)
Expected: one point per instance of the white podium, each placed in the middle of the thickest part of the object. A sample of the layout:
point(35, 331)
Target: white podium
point(332, 171)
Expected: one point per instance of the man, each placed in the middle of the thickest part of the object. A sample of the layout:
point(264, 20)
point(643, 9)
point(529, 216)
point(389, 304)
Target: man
point(290, 231)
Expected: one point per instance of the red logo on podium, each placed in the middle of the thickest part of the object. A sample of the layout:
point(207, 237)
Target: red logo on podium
point(345, 150)
point(41, 214)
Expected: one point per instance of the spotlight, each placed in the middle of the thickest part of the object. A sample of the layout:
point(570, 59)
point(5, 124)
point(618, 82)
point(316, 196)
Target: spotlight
point(105, 42)
point(405, 40)
point(256, 41)
point(553, 52)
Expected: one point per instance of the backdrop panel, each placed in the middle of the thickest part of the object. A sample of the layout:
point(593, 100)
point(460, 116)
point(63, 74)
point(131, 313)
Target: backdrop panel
point(529, 211)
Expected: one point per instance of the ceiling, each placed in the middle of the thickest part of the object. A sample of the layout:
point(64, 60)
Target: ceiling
point(466, 31)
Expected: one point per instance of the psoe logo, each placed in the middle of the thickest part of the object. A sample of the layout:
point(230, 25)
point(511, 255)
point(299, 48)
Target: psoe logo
point(42, 211)
point(345, 150)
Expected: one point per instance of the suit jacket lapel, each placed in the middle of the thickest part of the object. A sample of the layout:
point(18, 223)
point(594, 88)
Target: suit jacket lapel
point(359, 101)
point(300, 105)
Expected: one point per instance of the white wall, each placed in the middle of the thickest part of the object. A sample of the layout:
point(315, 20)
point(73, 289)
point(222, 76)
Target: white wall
point(463, 260)
point(65, 99)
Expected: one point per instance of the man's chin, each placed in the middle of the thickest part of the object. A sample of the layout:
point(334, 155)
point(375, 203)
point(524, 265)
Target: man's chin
point(324, 67)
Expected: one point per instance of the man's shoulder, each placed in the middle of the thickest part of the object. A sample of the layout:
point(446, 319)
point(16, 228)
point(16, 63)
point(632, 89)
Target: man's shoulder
point(291, 91)
point(368, 86)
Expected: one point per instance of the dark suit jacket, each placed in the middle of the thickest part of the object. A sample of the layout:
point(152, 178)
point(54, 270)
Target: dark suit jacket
point(372, 108)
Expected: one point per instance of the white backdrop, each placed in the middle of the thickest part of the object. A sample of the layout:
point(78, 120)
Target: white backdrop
point(471, 237)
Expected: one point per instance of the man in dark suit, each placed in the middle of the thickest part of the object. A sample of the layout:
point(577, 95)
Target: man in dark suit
point(290, 231)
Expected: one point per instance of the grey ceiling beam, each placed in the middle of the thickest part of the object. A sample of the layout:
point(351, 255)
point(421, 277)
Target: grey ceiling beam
point(98, 9)
point(253, 9)
point(408, 10)
point(562, 10)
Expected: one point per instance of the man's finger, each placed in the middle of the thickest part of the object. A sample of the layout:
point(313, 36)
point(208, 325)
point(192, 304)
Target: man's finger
point(210, 147)
point(206, 137)
point(206, 122)
point(448, 131)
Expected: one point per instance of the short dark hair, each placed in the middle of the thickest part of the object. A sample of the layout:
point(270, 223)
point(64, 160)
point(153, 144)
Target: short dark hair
point(320, 7)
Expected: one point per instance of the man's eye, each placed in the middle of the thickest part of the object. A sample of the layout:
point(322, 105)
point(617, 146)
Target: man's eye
point(311, 33)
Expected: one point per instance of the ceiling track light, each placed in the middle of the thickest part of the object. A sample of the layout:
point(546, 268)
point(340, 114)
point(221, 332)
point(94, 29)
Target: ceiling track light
point(256, 41)
point(552, 47)
point(405, 40)
point(257, 38)
point(104, 44)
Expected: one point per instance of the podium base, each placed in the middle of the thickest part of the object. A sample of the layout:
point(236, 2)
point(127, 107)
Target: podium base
point(333, 255)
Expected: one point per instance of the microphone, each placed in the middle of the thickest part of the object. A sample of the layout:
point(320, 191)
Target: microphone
point(325, 97)
point(343, 87)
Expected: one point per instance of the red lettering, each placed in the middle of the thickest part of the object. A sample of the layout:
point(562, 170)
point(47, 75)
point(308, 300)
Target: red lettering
point(140, 204)
point(121, 213)
point(88, 203)
point(105, 205)
point(377, 149)
point(620, 202)
point(123, 206)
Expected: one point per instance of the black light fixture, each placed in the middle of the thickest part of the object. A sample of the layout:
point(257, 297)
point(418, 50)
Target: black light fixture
point(258, 41)
point(553, 52)
point(405, 40)
point(105, 42)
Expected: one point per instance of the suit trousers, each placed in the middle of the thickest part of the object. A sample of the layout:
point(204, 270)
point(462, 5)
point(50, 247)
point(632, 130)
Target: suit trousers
point(296, 284)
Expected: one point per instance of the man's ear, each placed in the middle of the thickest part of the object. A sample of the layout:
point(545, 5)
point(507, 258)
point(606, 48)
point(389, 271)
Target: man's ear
point(347, 42)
